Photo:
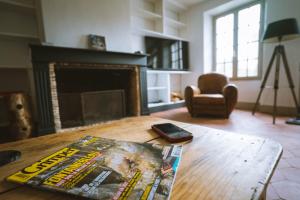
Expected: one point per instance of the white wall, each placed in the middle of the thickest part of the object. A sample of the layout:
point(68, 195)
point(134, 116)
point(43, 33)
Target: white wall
point(199, 35)
point(276, 10)
point(68, 22)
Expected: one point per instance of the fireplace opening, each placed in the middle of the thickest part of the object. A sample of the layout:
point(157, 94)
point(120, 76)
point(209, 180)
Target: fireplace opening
point(88, 94)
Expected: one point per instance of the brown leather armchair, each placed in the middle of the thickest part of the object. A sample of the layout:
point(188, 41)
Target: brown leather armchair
point(213, 96)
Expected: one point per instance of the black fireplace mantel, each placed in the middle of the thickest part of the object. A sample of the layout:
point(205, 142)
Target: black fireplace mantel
point(43, 55)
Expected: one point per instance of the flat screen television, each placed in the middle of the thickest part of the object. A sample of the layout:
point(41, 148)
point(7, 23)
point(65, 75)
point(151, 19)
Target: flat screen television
point(166, 54)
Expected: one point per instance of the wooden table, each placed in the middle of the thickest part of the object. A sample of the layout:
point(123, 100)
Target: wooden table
point(215, 165)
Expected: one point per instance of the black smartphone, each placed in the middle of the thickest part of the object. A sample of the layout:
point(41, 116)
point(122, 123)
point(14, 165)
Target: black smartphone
point(171, 132)
point(9, 156)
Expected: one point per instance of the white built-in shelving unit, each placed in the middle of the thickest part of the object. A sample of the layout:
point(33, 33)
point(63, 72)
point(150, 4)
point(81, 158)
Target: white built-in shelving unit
point(160, 86)
point(163, 19)
point(159, 18)
point(19, 27)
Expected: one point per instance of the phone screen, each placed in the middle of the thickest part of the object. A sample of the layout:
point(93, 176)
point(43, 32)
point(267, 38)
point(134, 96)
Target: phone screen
point(168, 128)
point(172, 130)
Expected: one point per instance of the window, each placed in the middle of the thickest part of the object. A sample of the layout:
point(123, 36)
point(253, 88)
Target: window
point(237, 42)
point(176, 55)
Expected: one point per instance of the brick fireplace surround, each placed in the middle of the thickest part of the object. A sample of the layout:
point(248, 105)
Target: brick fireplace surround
point(46, 58)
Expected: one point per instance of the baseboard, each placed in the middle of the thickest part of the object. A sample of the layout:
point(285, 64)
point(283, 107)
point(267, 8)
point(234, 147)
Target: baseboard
point(244, 105)
point(284, 111)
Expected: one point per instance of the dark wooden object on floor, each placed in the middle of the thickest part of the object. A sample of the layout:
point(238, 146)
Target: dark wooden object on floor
point(18, 123)
point(77, 109)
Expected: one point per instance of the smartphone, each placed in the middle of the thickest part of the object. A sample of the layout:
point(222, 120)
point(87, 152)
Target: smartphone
point(9, 156)
point(171, 132)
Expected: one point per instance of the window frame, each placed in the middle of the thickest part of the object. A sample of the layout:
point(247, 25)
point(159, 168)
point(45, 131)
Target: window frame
point(235, 11)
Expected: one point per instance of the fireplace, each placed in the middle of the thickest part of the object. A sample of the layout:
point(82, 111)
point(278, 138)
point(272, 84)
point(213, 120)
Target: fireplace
point(90, 93)
point(76, 87)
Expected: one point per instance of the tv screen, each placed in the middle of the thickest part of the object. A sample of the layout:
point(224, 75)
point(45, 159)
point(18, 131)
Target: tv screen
point(166, 54)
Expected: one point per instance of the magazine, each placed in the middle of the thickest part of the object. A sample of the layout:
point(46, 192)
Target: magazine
point(99, 168)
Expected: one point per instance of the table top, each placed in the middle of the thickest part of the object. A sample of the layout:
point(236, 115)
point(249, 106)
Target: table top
point(215, 165)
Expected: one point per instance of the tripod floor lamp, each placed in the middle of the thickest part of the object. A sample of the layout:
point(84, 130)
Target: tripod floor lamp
point(286, 29)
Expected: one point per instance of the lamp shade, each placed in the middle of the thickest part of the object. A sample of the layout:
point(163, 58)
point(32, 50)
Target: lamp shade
point(286, 29)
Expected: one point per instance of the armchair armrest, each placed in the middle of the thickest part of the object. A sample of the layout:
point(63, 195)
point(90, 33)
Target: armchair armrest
point(230, 93)
point(189, 93)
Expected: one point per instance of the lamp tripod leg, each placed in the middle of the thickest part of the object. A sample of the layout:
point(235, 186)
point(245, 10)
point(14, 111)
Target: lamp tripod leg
point(276, 83)
point(264, 80)
point(290, 79)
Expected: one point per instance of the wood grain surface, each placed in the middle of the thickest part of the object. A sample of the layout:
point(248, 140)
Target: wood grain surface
point(215, 165)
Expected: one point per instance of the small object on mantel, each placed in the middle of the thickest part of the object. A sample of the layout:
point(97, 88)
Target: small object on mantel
point(47, 44)
point(138, 52)
point(96, 42)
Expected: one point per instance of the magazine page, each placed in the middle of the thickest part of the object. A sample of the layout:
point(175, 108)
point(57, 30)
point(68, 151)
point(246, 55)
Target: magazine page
point(100, 168)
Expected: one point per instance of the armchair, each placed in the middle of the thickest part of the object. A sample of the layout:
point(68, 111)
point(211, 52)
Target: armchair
point(213, 96)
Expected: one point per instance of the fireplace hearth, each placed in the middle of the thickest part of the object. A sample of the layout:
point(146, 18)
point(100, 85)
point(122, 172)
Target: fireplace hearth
point(76, 87)
point(85, 108)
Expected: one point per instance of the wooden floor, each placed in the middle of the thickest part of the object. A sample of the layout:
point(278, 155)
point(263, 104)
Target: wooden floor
point(285, 183)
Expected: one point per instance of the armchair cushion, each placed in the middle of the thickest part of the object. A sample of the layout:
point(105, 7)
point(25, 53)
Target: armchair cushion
point(209, 99)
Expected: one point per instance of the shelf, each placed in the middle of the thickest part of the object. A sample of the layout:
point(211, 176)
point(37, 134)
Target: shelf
point(148, 14)
point(157, 88)
point(163, 19)
point(175, 23)
point(149, 71)
point(174, 5)
point(177, 102)
point(16, 5)
point(151, 105)
point(158, 34)
point(18, 35)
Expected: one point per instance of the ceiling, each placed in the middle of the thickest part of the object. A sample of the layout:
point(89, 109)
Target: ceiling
point(189, 2)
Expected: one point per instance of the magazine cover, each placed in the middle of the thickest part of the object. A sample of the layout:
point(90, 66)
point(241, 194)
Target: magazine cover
point(99, 168)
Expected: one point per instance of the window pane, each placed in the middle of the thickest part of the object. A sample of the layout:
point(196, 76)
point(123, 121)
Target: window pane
point(220, 68)
point(252, 67)
point(242, 66)
point(253, 50)
point(224, 44)
point(224, 24)
point(228, 69)
point(220, 56)
point(242, 52)
point(248, 41)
